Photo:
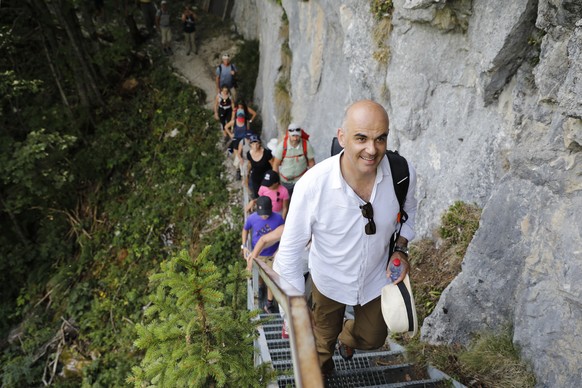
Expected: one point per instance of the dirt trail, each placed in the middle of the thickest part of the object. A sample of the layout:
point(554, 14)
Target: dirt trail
point(199, 69)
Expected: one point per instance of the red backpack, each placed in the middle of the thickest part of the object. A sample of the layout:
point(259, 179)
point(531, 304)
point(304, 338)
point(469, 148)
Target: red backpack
point(304, 138)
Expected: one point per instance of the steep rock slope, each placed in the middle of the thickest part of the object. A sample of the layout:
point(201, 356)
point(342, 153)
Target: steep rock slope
point(485, 98)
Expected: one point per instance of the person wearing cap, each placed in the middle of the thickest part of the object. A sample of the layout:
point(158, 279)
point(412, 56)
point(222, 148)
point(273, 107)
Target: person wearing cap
point(163, 24)
point(226, 74)
point(346, 205)
point(272, 188)
point(293, 159)
point(259, 162)
point(262, 222)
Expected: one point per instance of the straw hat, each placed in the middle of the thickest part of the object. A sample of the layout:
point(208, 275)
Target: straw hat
point(398, 308)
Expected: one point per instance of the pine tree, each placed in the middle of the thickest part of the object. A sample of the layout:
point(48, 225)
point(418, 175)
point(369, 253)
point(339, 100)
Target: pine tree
point(194, 338)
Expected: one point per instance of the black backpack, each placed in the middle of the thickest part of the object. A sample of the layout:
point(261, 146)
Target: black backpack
point(400, 179)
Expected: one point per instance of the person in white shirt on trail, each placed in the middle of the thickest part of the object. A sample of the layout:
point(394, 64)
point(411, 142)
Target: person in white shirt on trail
point(348, 207)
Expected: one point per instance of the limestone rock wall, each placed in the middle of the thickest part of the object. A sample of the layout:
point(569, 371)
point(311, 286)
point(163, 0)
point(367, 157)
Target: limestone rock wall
point(485, 99)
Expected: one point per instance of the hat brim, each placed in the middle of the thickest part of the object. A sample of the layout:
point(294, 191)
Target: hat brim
point(398, 308)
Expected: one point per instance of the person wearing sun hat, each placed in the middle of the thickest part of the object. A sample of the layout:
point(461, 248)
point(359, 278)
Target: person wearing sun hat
point(259, 223)
point(293, 157)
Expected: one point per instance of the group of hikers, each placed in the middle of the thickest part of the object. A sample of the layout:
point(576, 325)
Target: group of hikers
point(269, 173)
point(270, 176)
point(339, 222)
point(160, 20)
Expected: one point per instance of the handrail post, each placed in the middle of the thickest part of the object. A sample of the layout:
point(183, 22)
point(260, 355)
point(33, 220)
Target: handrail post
point(303, 351)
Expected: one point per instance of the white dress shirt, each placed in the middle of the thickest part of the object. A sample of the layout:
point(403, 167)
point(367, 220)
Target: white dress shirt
point(346, 264)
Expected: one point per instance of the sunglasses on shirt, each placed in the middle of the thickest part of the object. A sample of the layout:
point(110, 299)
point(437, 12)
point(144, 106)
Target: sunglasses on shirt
point(368, 212)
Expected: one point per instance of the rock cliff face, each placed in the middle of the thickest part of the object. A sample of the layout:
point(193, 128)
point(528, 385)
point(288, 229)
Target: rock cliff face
point(485, 98)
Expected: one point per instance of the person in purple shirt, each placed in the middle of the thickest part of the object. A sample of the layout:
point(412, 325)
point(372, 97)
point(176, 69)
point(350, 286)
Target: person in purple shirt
point(259, 223)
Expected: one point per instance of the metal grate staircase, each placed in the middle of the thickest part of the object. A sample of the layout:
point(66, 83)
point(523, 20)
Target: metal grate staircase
point(382, 368)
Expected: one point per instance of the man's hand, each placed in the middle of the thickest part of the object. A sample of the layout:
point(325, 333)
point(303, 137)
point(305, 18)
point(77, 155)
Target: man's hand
point(405, 267)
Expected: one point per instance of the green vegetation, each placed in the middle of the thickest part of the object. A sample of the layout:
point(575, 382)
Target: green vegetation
point(435, 267)
point(380, 34)
point(458, 225)
point(190, 323)
point(491, 359)
point(94, 197)
point(247, 62)
point(381, 8)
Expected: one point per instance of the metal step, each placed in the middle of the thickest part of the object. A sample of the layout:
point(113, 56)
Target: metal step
point(389, 376)
point(380, 368)
point(359, 361)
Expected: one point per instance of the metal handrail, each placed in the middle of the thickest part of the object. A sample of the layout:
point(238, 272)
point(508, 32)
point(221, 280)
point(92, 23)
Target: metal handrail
point(302, 341)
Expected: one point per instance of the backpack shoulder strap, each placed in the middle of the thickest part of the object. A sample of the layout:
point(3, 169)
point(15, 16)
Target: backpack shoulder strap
point(284, 148)
point(305, 149)
point(400, 178)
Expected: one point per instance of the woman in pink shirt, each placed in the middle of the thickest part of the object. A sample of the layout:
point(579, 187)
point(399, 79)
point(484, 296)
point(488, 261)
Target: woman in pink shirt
point(271, 187)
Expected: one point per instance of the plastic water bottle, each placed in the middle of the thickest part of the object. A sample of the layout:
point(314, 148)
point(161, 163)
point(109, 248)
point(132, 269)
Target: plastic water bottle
point(395, 269)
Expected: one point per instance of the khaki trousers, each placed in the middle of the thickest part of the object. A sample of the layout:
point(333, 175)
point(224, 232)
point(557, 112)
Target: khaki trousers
point(366, 331)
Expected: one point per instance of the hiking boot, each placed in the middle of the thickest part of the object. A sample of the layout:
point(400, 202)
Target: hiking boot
point(345, 351)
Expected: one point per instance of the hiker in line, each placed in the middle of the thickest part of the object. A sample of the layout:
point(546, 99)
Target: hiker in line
point(148, 11)
point(250, 113)
point(347, 206)
point(293, 157)
point(265, 241)
point(226, 74)
point(189, 25)
point(259, 161)
point(238, 130)
point(272, 188)
point(224, 108)
point(263, 221)
point(163, 24)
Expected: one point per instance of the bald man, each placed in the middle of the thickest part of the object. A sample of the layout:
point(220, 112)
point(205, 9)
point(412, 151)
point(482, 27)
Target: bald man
point(348, 207)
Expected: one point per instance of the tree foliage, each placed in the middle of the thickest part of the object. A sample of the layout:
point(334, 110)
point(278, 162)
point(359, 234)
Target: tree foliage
point(190, 326)
point(55, 74)
point(93, 182)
